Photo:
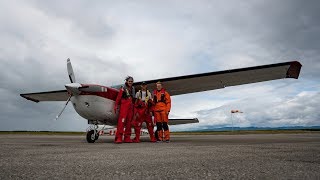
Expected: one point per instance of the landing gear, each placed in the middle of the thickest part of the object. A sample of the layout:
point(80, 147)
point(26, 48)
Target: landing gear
point(93, 133)
point(92, 136)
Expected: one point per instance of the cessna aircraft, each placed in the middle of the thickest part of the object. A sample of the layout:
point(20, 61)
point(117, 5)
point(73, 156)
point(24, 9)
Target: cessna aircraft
point(95, 102)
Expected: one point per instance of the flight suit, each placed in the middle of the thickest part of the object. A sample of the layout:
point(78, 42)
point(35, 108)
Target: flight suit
point(125, 100)
point(162, 108)
point(142, 109)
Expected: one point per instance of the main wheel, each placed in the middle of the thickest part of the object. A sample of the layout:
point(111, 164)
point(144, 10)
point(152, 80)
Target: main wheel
point(91, 138)
point(97, 136)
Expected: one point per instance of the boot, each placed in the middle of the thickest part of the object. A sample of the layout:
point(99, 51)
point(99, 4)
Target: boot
point(127, 139)
point(135, 140)
point(151, 133)
point(152, 138)
point(118, 139)
point(137, 132)
point(160, 135)
point(167, 136)
point(156, 135)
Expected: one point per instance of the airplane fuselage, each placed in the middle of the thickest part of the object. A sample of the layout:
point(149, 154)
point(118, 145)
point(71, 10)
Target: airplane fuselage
point(96, 107)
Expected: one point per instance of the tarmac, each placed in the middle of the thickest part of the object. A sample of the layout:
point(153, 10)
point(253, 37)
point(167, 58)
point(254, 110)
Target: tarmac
point(259, 156)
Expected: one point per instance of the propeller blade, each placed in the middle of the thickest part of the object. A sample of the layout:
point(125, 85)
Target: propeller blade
point(70, 71)
point(57, 117)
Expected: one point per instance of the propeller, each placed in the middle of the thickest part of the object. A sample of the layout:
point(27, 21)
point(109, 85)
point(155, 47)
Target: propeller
point(72, 85)
point(70, 71)
point(57, 117)
point(76, 88)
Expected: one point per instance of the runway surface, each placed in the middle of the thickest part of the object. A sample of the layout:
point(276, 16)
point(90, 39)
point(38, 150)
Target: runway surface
point(279, 156)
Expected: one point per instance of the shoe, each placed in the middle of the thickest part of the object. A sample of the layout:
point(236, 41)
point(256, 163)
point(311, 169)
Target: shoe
point(136, 140)
point(166, 135)
point(160, 135)
point(153, 140)
point(118, 140)
point(127, 139)
point(167, 141)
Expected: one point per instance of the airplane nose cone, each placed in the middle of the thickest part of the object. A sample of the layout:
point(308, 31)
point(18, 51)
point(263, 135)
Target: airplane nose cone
point(73, 88)
point(73, 85)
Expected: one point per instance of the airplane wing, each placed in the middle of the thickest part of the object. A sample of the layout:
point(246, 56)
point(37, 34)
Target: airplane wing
point(221, 79)
point(201, 82)
point(182, 121)
point(61, 95)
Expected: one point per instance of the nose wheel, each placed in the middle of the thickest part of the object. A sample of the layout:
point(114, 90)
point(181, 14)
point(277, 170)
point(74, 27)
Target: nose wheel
point(93, 132)
point(92, 136)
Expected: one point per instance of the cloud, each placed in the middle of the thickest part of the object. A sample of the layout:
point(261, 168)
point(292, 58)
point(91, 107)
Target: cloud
point(299, 110)
point(108, 40)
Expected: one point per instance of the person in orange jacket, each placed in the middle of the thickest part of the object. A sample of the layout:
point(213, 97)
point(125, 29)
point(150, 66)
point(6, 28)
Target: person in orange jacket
point(162, 106)
point(125, 99)
point(143, 113)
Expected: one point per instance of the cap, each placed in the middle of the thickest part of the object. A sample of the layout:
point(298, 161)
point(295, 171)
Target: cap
point(143, 83)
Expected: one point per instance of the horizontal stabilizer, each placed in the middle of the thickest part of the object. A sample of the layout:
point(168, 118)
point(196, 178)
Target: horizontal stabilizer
point(183, 121)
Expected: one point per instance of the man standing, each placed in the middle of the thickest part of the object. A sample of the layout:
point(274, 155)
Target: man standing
point(125, 100)
point(143, 113)
point(162, 108)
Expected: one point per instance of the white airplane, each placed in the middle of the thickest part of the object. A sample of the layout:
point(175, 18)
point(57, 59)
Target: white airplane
point(95, 102)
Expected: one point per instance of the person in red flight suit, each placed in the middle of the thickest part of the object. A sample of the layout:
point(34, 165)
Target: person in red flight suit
point(161, 111)
point(125, 100)
point(143, 113)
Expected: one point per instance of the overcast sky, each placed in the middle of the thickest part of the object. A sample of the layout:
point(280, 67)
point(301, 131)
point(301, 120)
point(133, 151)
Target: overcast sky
point(107, 40)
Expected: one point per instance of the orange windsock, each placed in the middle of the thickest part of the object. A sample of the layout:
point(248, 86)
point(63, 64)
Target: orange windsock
point(236, 111)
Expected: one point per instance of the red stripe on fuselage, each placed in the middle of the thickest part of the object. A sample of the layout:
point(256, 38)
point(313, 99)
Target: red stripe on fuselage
point(110, 93)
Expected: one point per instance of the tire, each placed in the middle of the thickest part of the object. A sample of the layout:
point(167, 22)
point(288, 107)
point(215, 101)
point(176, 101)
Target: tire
point(97, 136)
point(90, 138)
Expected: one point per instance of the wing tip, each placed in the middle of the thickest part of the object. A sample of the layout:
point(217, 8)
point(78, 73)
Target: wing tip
point(28, 98)
point(294, 70)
